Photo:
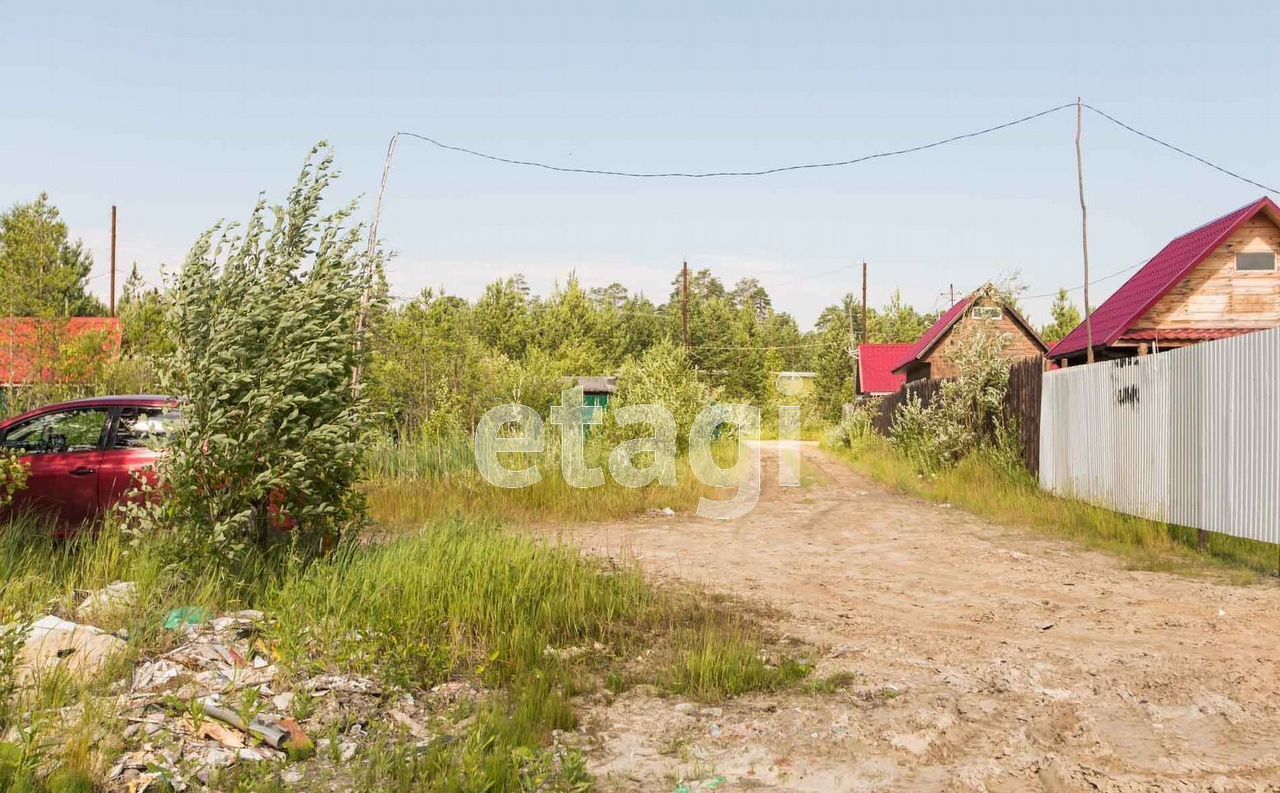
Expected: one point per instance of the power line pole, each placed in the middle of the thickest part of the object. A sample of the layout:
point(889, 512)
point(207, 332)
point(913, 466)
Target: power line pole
point(1084, 232)
point(952, 289)
point(684, 304)
point(864, 302)
point(113, 260)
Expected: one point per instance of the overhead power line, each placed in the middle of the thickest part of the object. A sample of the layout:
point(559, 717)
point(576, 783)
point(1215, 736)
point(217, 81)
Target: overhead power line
point(1181, 151)
point(835, 163)
point(716, 174)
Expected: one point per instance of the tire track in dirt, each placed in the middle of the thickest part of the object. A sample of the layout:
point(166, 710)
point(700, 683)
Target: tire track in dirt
point(985, 659)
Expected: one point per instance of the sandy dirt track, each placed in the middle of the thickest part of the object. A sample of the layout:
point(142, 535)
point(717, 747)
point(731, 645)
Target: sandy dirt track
point(985, 659)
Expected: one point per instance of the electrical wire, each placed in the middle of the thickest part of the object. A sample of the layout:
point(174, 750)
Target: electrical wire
point(717, 174)
point(701, 347)
point(1181, 151)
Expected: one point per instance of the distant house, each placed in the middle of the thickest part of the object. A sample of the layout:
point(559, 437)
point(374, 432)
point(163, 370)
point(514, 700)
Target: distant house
point(876, 363)
point(1215, 281)
point(596, 391)
point(46, 350)
point(928, 358)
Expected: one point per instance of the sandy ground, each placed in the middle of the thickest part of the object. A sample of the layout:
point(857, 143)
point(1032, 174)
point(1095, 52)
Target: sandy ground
point(985, 659)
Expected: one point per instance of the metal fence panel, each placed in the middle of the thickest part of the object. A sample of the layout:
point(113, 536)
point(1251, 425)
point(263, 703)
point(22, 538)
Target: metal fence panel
point(1189, 436)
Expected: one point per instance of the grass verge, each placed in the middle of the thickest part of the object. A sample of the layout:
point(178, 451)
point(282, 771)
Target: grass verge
point(416, 482)
point(533, 624)
point(987, 486)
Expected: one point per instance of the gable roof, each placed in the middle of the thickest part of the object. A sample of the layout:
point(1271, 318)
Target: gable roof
point(1164, 271)
point(931, 336)
point(875, 367)
point(24, 341)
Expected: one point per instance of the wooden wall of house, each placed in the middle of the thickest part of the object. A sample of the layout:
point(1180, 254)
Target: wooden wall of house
point(1018, 344)
point(1216, 295)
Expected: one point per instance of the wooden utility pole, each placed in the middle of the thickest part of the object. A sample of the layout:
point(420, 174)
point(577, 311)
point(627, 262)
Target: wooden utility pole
point(864, 303)
point(113, 260)
point(684, 304)
point(951, 288)
point(1084, 233)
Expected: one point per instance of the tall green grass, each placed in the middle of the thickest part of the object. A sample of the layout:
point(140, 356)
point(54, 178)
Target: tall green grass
point(533, 623)
point(421, 480)
point(989, 485)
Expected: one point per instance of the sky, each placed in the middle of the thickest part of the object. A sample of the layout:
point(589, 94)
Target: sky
point(182, 114)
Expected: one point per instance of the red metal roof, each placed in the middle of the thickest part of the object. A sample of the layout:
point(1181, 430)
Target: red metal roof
point(916, 351)
point(1186, 334)
point(875, 367)
point(27, 344)
point(1164, 271)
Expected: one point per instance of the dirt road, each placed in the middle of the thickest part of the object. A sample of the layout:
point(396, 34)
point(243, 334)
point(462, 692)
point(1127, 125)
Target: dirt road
point(985, 659)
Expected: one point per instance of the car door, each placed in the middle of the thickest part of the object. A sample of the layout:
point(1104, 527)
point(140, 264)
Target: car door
point(62, 450)
point(139, 435)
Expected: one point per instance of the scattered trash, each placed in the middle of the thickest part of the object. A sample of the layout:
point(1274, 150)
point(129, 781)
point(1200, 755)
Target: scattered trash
point(346, 751)
point(413, 727)
point(1044, 626)
point(213, 730)
point(187, 615)
point(113, 597)
point(53, 643)
point(710, 783)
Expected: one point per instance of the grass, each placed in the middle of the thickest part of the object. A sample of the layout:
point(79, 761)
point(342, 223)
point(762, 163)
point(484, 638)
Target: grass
point(420, 481)
point(986, 485)
point(532, 623)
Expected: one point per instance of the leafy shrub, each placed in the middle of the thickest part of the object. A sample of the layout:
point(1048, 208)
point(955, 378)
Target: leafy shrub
point(13, 476)
point(664, 375)
point(264, 328)
point(856, 424)
point(966, 411)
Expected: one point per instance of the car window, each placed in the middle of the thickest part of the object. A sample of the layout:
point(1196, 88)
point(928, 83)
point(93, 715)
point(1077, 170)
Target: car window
point(146, 427)
point(61, 431)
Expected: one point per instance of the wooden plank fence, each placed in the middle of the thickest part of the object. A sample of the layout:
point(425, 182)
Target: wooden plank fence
point(1022, 407)
point(921, 389)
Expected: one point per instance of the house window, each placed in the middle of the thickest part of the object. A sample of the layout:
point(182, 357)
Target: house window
point(985, 312)
point(1256, 261)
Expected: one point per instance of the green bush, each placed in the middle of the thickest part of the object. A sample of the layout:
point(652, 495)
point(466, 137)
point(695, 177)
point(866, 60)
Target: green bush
point(965, 414)
point(264, 327)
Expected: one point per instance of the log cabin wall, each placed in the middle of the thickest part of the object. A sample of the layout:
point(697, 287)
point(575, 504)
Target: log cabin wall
point(1217, 295)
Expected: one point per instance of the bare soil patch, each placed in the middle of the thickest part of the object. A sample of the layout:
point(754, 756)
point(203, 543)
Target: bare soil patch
point(983, 659)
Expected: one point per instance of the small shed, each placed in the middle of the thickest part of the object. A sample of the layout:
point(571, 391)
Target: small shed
point(597, 391)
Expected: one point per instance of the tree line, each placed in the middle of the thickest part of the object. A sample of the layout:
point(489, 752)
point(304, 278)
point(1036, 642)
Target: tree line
point(437, 361)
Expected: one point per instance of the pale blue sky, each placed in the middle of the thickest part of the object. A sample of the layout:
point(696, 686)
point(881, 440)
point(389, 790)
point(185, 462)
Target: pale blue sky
point(182, 114)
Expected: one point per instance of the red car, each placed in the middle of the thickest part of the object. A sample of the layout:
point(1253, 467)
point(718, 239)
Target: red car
point(83, 457)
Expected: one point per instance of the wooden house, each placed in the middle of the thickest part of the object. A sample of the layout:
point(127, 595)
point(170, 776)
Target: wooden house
point(930, 358)
point(1215, 281)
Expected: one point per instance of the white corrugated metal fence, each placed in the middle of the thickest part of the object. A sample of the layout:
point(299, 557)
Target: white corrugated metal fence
point(1189, 436)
